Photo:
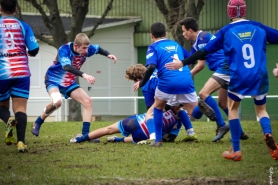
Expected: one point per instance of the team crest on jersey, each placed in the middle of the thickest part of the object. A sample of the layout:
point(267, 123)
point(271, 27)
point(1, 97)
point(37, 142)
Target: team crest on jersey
point(171, 48)
point(245, 35)
point(149, 55)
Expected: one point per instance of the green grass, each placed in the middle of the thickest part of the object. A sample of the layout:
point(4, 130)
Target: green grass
point(53, 160)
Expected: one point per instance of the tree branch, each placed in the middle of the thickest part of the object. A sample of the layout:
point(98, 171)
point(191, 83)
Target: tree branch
point(18, 12)
point(162, 8)
point(199, 7)
point(79, 9)
point(45, 19)
point(108, 8)
point(42, 38)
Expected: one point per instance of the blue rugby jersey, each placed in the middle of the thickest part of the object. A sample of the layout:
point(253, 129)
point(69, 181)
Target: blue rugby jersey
point(217, 61)
point(244, 45)
point(170, 81)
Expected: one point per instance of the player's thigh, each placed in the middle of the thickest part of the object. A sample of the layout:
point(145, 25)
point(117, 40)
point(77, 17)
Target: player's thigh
point(20, 93)
point(19, 104)
point(80, 96)
point(189, 101)
point(5, 92)
point(113, 129)
point(222, 98)
point(210, 87)
point(5, 103)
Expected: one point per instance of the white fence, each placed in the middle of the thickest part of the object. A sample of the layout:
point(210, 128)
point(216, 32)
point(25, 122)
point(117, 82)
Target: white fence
point(129, 106)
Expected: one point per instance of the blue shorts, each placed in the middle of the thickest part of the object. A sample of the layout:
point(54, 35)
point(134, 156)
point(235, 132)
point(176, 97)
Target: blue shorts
point(149, 98)
point(131, 126)
point(65, 91)
point(15, 87)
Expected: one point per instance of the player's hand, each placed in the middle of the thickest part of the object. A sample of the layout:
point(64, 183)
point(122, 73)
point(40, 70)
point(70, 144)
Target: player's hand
point(275, 71)
point(136, 86)
point(176, 64)
point(90, 79)
point(113, 57)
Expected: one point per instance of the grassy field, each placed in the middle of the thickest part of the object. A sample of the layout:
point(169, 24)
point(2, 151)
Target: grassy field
point(53, 160)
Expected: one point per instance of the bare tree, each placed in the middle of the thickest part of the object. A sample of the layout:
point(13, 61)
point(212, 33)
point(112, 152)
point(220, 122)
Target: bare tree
point(176, 10)
point(53, 22)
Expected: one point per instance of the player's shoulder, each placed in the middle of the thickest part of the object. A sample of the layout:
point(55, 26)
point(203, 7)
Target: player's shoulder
point(65, 48)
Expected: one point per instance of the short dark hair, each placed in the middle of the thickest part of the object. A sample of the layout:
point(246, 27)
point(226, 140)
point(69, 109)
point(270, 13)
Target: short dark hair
point(190, 22)
point(158, 30)
point(8, 6)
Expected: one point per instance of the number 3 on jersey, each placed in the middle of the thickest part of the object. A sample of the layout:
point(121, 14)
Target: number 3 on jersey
point(248, 54)
point(177, 57)
point(9, 40)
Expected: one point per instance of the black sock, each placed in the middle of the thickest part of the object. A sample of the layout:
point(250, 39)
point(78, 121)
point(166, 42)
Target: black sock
point(4, 113)
point(21, 119)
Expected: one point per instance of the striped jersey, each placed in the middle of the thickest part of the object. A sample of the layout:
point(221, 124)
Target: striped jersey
point(170, 123)
point(56, 72)
point(16, 38)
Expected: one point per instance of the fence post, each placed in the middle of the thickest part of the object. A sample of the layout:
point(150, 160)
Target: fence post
point(135, 105)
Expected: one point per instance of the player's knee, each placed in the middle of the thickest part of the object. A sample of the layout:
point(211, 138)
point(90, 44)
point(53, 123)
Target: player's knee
point(87, 102)
point(56, 99)
point(202, 95)
point(109, 130)
point(222, 105)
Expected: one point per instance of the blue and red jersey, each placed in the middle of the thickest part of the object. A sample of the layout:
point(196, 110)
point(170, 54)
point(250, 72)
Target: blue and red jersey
point(56, 73)
point(16, 38)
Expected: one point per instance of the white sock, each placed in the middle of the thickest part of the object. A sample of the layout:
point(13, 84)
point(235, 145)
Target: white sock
point(152, 136)
point(190, 132)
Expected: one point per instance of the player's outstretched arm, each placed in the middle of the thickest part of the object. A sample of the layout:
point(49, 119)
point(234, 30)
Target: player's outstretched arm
point(148, 74)
point(103, 52)
point(113, 57)
point(199, 67)
point(90, 79)
point(177, 64)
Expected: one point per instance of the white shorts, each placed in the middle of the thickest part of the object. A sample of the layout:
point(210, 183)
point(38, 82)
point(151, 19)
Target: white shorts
point(176, 99)
point(222, 76)
point(259, 97)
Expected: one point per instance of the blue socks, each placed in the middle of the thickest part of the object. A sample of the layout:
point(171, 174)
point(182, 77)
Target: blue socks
point(212, 103)
point(158, 115)
point(265, 124)
point(235, 129)
point(150, 125)
point(86, 128)
point(185, 119)
point(119, 139)
point(83, 138)
point(39, 120)
point(197, 114)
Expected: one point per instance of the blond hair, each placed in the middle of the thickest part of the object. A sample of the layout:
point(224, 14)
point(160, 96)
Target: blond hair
point(136, 72)
point(81, 38)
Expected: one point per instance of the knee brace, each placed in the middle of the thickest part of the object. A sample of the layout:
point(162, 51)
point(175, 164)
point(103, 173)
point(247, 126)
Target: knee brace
point(55, 98)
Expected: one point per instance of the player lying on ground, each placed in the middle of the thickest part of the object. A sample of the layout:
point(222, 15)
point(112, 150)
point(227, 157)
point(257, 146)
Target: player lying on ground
point(136, 73)
point(135, 126)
